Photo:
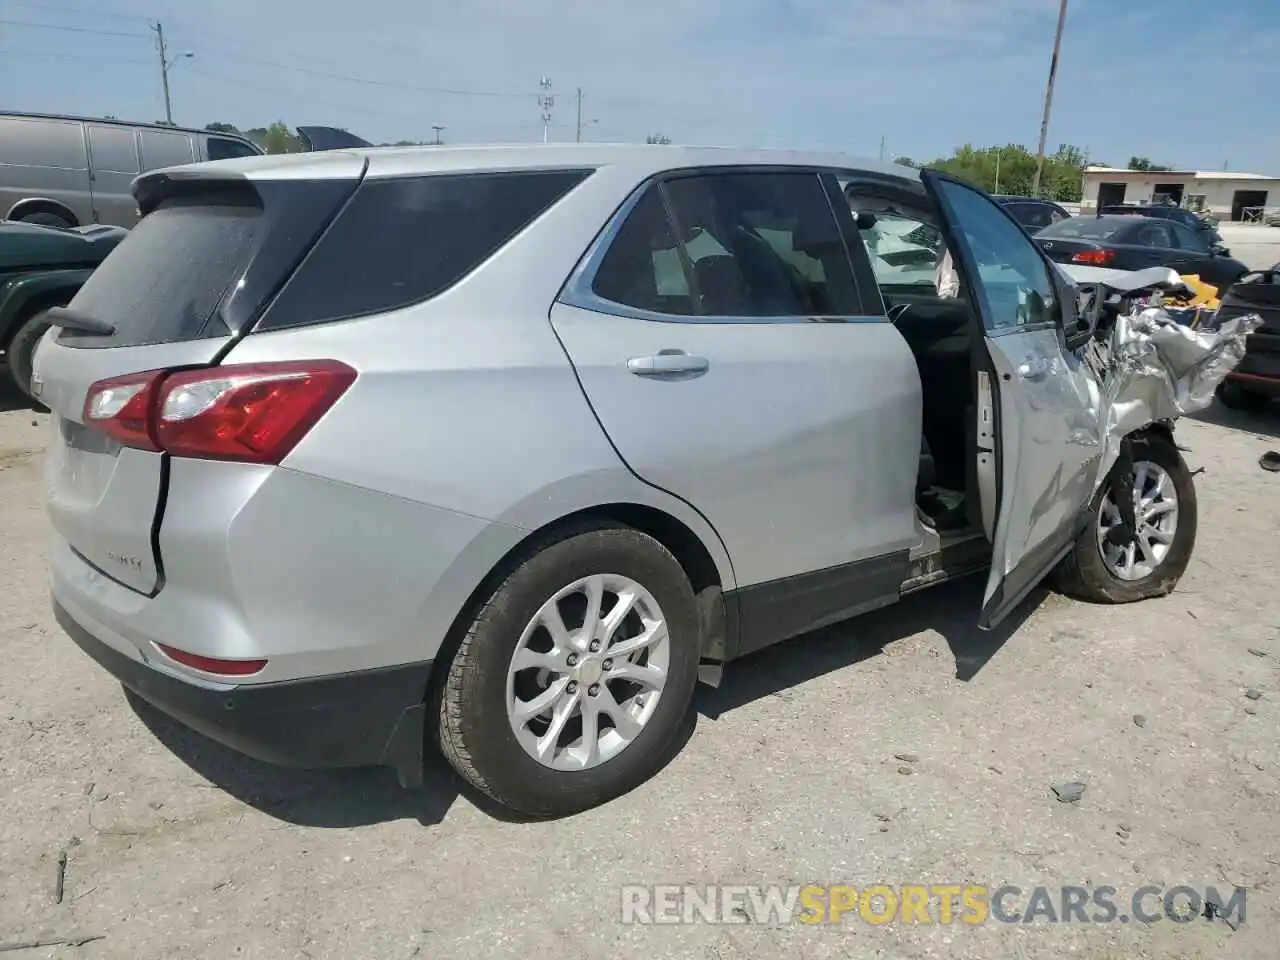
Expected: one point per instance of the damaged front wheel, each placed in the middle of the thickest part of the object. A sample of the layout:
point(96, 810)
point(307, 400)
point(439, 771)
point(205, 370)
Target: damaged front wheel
point(1142, 528)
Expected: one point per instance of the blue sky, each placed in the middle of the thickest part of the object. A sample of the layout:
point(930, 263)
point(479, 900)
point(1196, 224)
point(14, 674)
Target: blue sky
point(1183, 82)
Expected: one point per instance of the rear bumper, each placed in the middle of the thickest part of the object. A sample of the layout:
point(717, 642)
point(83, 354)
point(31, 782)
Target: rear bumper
point(366, 718)
point(1259, 371)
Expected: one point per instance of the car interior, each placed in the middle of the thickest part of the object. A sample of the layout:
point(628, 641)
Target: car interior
point(940, 331)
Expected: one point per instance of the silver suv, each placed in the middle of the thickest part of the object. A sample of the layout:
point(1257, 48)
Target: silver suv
point(505, 448)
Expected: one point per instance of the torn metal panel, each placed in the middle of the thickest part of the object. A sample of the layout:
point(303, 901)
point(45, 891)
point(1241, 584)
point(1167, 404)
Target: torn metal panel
point(1150, 367)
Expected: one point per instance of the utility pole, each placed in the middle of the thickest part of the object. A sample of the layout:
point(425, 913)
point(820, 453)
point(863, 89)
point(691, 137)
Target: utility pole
point(165, 65)
point(579, 136)
point(546, 101)
point(164, 71)
point(882, 148)
point(439, 130)
point(999, 151)
point(1048, 98)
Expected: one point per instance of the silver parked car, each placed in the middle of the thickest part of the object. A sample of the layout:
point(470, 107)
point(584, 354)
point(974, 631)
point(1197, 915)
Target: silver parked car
point(505, 448)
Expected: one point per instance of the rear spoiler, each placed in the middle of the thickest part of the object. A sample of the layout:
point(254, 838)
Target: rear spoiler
point(315, 139)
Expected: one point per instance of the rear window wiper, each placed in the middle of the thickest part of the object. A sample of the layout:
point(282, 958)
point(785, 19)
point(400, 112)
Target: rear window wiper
point(79, 322)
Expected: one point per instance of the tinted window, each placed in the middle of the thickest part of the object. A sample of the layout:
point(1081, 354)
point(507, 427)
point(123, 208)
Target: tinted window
point(42, 143)
point(749, 244)
point(114, 149)
point(643, 266)
point(165, 279)
point(219, 148)
point(401, 241)
point(1013, 279)
point(163, 148)
point(763, 245)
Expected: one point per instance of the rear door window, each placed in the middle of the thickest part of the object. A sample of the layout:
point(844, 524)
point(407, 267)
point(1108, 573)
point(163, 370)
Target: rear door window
point(165, 148)
point(42, 143)
point(404, 240)
point(731, 245)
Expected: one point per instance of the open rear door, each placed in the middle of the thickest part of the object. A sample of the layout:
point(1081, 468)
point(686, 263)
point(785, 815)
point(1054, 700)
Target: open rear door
point(1046, 426)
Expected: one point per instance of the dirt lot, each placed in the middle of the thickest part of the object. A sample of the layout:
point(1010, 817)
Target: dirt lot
point(177, 848)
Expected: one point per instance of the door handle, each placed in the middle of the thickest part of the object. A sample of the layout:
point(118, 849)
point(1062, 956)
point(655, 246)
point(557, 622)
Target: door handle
point(672, 364)
point(1035, 369)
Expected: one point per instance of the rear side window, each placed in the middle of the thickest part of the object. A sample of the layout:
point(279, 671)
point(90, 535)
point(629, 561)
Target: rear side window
point(165, 279)
point(42, 143)
point(401, 241)
point(164, 148)
point(1084, 228)
point(749, 245)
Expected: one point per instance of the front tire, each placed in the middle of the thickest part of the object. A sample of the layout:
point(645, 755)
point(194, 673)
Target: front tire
point(20, 353)
point(1236, 397)
point(1105, 568)
point(570, 686)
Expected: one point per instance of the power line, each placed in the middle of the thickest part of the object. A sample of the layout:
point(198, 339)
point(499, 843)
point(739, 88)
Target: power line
point(82, 11)
point(52, 55)
point(52, 26)
point(370, 81)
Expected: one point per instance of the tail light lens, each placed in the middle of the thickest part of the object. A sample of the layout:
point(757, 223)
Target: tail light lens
point(121, 408)
point(1095, 258)
point(255, 412)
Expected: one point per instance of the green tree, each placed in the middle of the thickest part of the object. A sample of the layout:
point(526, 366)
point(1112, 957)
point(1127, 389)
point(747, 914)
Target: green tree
point(1145, 165)
point(1012, 169)
point(221, 128)
point(276, 138)
point(905, 161)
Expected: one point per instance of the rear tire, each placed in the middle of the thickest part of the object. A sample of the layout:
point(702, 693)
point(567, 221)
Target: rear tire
point(21, 350)
point(496, 748)
point(1085, 574)
point(1234, 396)
point(46, 219)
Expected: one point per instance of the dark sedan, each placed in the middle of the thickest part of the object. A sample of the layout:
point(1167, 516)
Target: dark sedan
point(1136, 243)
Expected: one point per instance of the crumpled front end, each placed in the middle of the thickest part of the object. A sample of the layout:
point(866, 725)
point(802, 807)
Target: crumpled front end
point(1151, 367)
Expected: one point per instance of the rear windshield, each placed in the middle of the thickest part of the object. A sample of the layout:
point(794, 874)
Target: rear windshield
point(165, 280)
point(1083, 228)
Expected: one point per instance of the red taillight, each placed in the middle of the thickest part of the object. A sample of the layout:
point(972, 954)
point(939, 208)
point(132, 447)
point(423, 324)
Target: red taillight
point(223, 668)
point(253, 412)
point(1095, 258)
point(122, 408)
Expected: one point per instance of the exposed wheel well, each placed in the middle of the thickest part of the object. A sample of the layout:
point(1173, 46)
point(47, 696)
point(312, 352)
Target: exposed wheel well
point(24, 208)
point(683, 543)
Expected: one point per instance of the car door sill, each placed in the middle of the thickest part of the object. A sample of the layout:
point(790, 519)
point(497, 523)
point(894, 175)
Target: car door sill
point(766, 613)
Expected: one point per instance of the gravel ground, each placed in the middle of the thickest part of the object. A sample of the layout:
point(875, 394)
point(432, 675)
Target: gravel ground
point(176, 847)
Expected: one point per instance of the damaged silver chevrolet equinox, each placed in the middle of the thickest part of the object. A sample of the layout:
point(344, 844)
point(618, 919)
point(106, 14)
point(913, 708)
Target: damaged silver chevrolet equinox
point(504, 448)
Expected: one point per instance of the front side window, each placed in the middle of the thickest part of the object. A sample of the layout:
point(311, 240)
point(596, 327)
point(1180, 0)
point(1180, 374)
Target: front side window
point(904, 248)
point(731, 245)
point(1013, 279)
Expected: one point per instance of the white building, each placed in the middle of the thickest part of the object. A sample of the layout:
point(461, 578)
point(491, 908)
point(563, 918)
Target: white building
point(1225, 195)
